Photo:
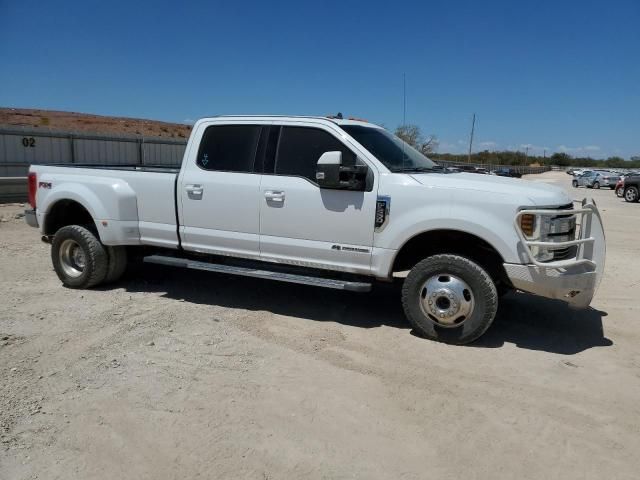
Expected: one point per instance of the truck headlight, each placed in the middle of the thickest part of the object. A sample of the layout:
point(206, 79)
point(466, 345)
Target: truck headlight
point(543, 228)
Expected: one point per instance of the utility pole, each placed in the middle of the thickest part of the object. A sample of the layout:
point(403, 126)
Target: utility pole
point(473, 125)
point(526, 155)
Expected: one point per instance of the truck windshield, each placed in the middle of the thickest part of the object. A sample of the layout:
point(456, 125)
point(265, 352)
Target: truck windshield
point(395, 154)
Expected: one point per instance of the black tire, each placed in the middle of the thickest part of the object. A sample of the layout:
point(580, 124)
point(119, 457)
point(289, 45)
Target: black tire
point(482, 292)
point(631, 194)
point(596, 185)
point(620, 192)
point(574, 183)
point(612, 187)
point(95, 261)
point(117, 263)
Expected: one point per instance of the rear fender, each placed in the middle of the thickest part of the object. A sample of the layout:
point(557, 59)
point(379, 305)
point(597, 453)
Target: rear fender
point(109, 201)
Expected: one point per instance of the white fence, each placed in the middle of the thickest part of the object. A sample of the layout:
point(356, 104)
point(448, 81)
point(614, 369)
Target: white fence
point(23, 146)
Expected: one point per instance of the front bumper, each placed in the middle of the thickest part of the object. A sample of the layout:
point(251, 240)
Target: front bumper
point(575, 286)
point(574, 280)
point(31, 218)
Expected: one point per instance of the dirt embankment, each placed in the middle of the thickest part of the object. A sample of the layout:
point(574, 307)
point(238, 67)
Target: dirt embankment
point(85, 122)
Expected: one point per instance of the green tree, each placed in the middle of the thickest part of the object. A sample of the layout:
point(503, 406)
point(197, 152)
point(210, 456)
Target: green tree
point(413, 136)
point(560, 159)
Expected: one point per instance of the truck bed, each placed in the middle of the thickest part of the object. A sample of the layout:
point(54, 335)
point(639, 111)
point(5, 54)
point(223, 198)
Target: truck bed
point(131, 204)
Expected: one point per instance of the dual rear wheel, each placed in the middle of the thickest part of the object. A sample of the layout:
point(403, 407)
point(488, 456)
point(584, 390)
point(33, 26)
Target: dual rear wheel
point(81, 261)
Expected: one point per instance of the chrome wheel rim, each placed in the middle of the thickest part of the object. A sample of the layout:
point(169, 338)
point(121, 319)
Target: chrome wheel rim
point(630, 194)
point(73, 260)
point(446, 300)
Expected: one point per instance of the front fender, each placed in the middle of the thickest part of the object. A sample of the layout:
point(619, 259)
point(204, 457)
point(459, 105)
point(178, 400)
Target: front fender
point(492, 221)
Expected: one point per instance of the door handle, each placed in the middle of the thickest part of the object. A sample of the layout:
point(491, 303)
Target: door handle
point(274, 196)
point(194, 191)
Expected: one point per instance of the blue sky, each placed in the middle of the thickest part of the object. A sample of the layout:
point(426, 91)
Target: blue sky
point(564, 75)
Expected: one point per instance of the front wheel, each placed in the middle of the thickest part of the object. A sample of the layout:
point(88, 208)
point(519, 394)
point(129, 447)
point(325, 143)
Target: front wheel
point(631, 194)
point(596, 185)
point(620, 192)
point(450, 299)
point(78, 257)
point(574, 183)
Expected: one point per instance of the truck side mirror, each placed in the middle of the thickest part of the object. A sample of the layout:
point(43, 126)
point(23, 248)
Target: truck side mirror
point(331, 173)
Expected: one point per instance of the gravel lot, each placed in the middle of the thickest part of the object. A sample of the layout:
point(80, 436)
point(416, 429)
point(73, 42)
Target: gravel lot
point(180, 374)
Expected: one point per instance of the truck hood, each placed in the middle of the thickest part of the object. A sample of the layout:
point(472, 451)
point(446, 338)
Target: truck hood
point(531, 193)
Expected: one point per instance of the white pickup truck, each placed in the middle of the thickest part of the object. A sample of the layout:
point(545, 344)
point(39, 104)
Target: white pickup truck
point(326, 202)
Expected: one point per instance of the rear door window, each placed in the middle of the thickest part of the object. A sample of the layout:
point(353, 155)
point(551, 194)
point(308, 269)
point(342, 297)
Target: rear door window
point(229, 148)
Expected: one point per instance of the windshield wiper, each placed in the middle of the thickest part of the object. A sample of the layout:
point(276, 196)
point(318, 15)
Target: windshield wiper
point(414, 169)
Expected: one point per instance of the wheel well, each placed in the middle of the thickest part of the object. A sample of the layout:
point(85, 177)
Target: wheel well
point(67, 212)
point(454, 242)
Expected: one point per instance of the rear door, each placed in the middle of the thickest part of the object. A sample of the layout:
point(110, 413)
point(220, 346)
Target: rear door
point(302, 224)
point(219, 191)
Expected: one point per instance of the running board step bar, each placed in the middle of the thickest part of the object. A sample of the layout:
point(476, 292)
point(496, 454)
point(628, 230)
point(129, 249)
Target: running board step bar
point(266, 274)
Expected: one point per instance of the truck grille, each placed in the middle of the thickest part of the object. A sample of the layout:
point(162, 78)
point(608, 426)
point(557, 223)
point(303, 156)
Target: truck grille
point(568, 252)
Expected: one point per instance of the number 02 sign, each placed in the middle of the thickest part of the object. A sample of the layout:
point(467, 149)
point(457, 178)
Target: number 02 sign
point(28, 142)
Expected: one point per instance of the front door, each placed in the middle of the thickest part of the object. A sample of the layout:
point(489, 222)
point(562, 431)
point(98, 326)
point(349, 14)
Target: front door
point(302, 224)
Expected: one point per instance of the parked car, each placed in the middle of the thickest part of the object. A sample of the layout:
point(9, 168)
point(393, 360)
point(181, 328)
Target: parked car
point(620, 183)
point(606, 179)
point(631, 188)
point(581, 179)
point(597, 179)
point(329, 203)
point(507, 172)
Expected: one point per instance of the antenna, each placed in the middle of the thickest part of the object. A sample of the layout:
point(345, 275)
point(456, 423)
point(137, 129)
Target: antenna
point(404, 99)
point(473, 125)
point(404, 112)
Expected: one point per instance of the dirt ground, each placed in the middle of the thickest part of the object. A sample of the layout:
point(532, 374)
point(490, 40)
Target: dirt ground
point(174, 374)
